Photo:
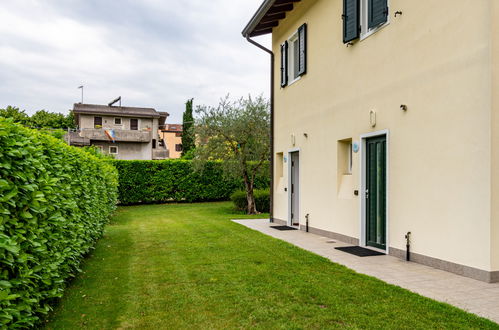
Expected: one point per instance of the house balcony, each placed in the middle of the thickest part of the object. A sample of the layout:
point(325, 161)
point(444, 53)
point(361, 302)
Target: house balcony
point(159, 154)
point(99, 134)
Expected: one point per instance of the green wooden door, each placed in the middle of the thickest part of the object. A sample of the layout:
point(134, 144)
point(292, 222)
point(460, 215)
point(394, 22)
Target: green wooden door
point(376, 192)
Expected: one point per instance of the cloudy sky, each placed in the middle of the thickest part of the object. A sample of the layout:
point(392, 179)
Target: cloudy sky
point(154, 53)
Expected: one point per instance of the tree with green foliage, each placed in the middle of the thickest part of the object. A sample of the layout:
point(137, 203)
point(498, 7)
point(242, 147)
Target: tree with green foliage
point(45, 119)
point(17, 115)
point(40, 119)
point(237, 132)
point(188, 136)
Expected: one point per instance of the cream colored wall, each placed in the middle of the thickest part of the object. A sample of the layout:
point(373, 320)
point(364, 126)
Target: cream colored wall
point(436, 59)
point(494, 18)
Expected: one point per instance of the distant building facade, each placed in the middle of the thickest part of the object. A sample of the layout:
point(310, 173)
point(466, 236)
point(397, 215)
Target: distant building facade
point(172, 135)
point(128, 133)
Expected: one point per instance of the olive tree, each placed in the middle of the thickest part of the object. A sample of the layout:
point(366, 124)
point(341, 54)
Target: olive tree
point(238, 133)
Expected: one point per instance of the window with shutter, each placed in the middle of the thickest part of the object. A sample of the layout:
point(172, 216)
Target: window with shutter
point(97, 122)
point(302, 50)
point(284, 64)
point(361, 18)
point(294, 57)
point(377, 13)
point(351, 20)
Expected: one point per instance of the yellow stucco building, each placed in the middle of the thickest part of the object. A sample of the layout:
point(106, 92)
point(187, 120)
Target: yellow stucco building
point(385, 121)
point(172, 135)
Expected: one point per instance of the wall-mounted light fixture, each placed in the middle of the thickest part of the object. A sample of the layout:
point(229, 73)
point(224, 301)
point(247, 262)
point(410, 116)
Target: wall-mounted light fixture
point(397, 13)
point(403, 107)
point(372, 118)
point(305, 135)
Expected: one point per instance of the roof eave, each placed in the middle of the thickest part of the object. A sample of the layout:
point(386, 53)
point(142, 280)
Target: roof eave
point(257, 17)
point(120, 114)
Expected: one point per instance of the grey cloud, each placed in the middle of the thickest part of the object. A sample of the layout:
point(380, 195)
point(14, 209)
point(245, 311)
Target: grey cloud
point(151, 52)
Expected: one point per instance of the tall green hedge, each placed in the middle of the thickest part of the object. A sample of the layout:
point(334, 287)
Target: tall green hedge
point(54, 203)
point(174, 180)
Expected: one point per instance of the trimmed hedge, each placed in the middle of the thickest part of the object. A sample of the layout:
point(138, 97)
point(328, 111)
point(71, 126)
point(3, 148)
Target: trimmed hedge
point(54, 202)
point(174, 180)
point(262, 200)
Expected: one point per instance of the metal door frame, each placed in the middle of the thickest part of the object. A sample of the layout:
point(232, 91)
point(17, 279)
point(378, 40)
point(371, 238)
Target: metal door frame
point(363, 168)
point(291, 151)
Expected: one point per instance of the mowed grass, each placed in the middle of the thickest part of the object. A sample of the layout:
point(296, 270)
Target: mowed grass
point(188, 266)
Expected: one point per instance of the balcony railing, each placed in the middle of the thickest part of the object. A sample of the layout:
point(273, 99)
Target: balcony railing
point(158, 154)
point(99, 134)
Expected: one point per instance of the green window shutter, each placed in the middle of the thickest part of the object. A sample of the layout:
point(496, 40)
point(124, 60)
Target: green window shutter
point(302, 53)
point(377, 13)
point(284, 64)
point(351, 20)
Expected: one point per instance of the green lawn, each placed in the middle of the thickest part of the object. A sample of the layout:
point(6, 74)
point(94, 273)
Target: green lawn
point(188, 266)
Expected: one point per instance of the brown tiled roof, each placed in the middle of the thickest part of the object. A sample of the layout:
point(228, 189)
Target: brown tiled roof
point(97, 109)
point(172, 128)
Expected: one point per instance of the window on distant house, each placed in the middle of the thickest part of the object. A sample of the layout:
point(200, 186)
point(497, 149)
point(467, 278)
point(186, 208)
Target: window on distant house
point(113, 150)
point(178, 147)
point(361, 18)
point(97, 122)
point(154, 143)
point(117, 121)
point(294, 56)
point(134, 124)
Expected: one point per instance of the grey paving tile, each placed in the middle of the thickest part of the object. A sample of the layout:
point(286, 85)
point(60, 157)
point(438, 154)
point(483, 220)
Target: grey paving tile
point(474, 296)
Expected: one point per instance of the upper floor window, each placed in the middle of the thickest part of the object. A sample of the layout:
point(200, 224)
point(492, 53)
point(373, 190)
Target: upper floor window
point(361, 18)
point(117, 121)
point(294, 56)
point(178, 147)
point(97, 122)
point(134, 124)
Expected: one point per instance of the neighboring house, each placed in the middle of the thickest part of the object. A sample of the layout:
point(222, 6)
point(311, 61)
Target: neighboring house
point(134, 131)
point(172, 135)
point(386, 121)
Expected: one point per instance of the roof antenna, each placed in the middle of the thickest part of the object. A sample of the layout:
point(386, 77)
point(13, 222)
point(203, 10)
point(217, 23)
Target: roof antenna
point(114, 101)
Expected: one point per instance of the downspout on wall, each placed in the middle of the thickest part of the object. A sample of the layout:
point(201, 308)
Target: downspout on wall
point(271, 215)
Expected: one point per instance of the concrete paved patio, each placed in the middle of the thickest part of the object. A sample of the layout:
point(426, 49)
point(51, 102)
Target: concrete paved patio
point(471, 295)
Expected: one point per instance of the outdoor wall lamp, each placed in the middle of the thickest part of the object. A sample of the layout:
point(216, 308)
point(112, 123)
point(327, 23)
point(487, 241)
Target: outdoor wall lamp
point(372, 118)
point(305, 135)
point(398, 13)
point(403, 107)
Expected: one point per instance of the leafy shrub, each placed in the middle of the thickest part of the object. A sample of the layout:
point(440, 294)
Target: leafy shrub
point(175, 180)
point(54, 202)
point(262, 200)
